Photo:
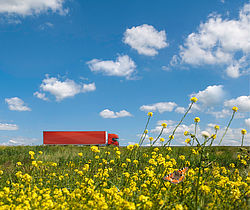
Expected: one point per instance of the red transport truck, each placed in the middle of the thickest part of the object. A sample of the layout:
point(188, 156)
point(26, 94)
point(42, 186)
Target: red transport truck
point(80, 138)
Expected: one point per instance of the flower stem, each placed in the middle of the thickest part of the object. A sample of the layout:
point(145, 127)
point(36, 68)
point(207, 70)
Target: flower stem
point(169, 141)
point(144, 134)
point(227, 127)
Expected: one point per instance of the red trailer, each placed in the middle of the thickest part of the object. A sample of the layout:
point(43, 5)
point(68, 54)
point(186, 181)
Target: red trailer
point(80, 138)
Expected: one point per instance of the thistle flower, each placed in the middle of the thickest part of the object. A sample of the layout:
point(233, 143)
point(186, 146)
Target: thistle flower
point(205, 134)
point(150, 114)
point(235, 108)
point(164, 125)
point(243, 131)
point(188, 140)
point(216, 127)
point(197, 119)
point(194, 99)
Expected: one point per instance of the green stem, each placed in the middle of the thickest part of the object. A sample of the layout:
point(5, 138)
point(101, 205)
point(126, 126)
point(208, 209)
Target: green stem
point(180, 122)
point(158, 136)
point(141, 140)
point(242, 140)
point(198, 182)
point(227, 127)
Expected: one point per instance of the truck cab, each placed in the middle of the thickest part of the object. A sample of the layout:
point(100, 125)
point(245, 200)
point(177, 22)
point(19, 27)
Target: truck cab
point(113, 139)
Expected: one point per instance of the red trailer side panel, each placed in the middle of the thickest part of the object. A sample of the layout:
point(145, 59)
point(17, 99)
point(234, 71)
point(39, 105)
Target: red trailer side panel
point(74, 137)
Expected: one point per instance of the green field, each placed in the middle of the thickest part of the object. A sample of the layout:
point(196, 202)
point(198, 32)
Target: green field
point(83, 177)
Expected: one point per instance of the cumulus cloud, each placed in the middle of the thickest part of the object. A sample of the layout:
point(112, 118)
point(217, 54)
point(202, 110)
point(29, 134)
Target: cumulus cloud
point(62, 89)
point(180, 110)
point(220, 42)
point(160, 107)
point(124, 66)
point(145, 39)
point(106, 113)
point(31, 7)
point(247, 122)
point(212, 95)
point(16, 104)
point(40, 96)
point(242, 102)
point(16, 141)
point(8, 127)
point(89, 87)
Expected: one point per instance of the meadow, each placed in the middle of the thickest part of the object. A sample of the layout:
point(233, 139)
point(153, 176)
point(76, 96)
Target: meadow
point(196, 176)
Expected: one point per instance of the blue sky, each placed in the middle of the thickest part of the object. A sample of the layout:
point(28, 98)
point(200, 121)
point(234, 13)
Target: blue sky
point(102, 65)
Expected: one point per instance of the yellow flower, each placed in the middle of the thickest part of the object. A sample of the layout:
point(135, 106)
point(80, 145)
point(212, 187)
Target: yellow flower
point(40, 152)
point(194, 99)
point(171, 137)
point(179, 207)
point(164, 125)
point(235, 108)
point(187, 140)
point(146, 131)
point(151, 138)
point(135, 162)
point(205, 189)
point(232, 165)
point(197, 119)
point(19, 163)
point(136, 145)
point(214, 136)
point(186, 133)
point(162, 139)
point(95, 149)
point(80, 154)
point(182, 157)
point(1, 172)
point(243, 131)
point(31, 153)
point(130, 147)
point(216, 127)
point(150, 114)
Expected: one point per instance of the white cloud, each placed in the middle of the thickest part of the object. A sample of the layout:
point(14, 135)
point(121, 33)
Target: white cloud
point(89, 87)
point(106, 113)
point(31, 7)
point(8, 127)
point(15, 141)
point(221, 114)
point(180, 110)
point(247, 122)
point(212, 95)
point(40, 96)
point(160, 107)
point(16, 104)
point(242, 102)
point(63, 89)
point(145, 39)
point(220, 41)
point(124, 66)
